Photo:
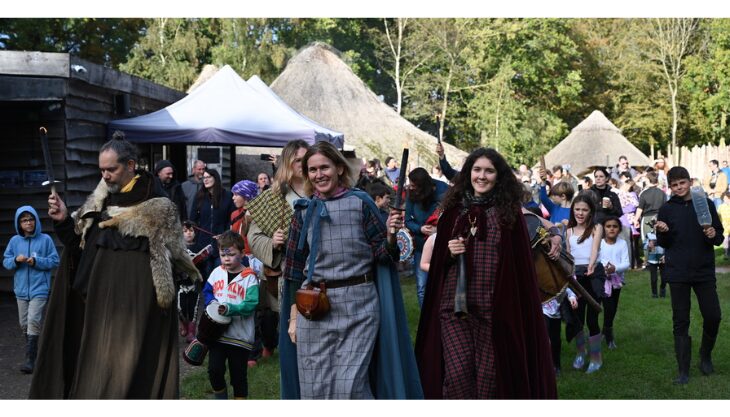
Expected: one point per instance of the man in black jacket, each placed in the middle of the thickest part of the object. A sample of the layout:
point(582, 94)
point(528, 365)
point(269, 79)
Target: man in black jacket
point(165, 172)
point(690, 264)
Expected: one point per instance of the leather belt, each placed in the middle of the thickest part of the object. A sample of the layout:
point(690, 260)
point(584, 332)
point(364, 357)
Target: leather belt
point(357, 280)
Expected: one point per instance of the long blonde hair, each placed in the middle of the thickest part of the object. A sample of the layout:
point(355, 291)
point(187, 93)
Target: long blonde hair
point(284, 172)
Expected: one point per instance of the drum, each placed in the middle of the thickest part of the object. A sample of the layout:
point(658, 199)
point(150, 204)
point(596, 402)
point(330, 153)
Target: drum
point(552, 275)
point(195, 353)
point(405, 244)
point(212, 325)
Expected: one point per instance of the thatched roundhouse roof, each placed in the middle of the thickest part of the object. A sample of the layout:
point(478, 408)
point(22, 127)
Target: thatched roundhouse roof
point(594, 142)
point(208, 71)
point(320, 85)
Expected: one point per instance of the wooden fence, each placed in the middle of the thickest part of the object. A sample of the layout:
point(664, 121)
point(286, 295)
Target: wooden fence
point(697, 159)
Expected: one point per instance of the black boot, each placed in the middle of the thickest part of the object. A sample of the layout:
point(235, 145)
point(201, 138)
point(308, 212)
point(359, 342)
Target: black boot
point(708, 343)
point(683, 350)
point(610, 342)
point(31, 350)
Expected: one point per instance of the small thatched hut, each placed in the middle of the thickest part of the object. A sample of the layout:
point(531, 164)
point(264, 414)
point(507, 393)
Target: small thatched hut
point(319, 85)
point(594, 142)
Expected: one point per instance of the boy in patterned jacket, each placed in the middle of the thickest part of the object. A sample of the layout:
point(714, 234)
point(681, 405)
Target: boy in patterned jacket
point(236, 289)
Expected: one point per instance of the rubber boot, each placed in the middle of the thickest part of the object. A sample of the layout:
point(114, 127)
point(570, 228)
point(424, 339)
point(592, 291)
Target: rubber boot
point(221, 395)
point(683, 350)
point(580, 343)
point(594, 348)
point(708, 343)
point(610, 341)
point(31, 351)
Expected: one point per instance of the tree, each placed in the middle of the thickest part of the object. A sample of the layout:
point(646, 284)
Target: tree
point(621, 80)
point(401, 54)
point(672, 40)
point(451, 69)
point(102, 41)
point(707, 83)
point(171, 52)
point(251, 47)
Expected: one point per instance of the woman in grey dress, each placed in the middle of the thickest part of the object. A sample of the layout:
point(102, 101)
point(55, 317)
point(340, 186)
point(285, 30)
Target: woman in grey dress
point(336, 237)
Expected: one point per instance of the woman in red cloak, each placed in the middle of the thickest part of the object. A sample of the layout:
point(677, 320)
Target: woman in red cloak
point(500, 348)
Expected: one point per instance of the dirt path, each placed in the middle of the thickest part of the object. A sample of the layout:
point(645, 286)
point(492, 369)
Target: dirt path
point(13, 383)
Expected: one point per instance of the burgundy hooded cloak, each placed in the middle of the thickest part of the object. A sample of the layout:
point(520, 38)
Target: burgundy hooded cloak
point(521, 346)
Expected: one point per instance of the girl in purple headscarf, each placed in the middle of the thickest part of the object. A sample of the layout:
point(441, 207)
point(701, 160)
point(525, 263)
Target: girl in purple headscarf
point(243, 192)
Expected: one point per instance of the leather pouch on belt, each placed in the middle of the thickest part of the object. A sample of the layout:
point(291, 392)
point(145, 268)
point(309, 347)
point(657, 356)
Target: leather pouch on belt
point(312, 302)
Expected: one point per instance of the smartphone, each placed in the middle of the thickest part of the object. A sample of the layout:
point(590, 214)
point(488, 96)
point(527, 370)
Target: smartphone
point(265, 157)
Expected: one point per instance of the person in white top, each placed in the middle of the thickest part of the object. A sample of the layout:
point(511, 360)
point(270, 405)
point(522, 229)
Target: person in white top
point(615, 260)
point(584, 239)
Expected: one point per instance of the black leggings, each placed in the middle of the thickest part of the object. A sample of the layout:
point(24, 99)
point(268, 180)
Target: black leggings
point(610, 305)
point(553, 328)
point(706, 292)
point(653, 274)
point(636, 248)
point(237, 358)
point(587, 314)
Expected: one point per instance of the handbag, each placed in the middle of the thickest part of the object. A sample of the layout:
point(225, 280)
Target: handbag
point(312, 302)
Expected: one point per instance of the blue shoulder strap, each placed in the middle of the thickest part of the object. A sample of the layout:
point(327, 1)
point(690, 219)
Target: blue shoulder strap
point(365, 197)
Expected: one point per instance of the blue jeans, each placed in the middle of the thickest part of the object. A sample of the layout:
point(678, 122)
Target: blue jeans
point(421, 277)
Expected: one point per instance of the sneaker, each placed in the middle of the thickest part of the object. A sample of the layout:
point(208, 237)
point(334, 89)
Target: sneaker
point(251, 364)
point(579, 362)
point(266, 353)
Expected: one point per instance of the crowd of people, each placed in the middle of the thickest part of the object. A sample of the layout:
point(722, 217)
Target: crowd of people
point(307, 262)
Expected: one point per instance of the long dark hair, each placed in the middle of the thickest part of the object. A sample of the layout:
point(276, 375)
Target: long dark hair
point(584, 197)
point(216, 191)
point(423, 192)
point(507, 191)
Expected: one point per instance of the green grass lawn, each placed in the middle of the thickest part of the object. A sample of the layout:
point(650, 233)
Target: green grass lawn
point(642, 367)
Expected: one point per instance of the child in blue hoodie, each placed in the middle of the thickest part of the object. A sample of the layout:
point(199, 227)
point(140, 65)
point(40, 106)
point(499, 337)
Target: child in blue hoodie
point(32, 255)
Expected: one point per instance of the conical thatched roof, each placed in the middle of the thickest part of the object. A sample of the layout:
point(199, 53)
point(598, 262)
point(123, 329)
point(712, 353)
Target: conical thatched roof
point(594, 142)
point(206, 73)
point(319, 85)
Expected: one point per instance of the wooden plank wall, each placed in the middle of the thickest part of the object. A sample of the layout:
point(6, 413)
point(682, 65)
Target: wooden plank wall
point(19, 140)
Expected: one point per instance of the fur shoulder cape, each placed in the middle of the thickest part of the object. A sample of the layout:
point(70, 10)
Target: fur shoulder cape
point(157, 220)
